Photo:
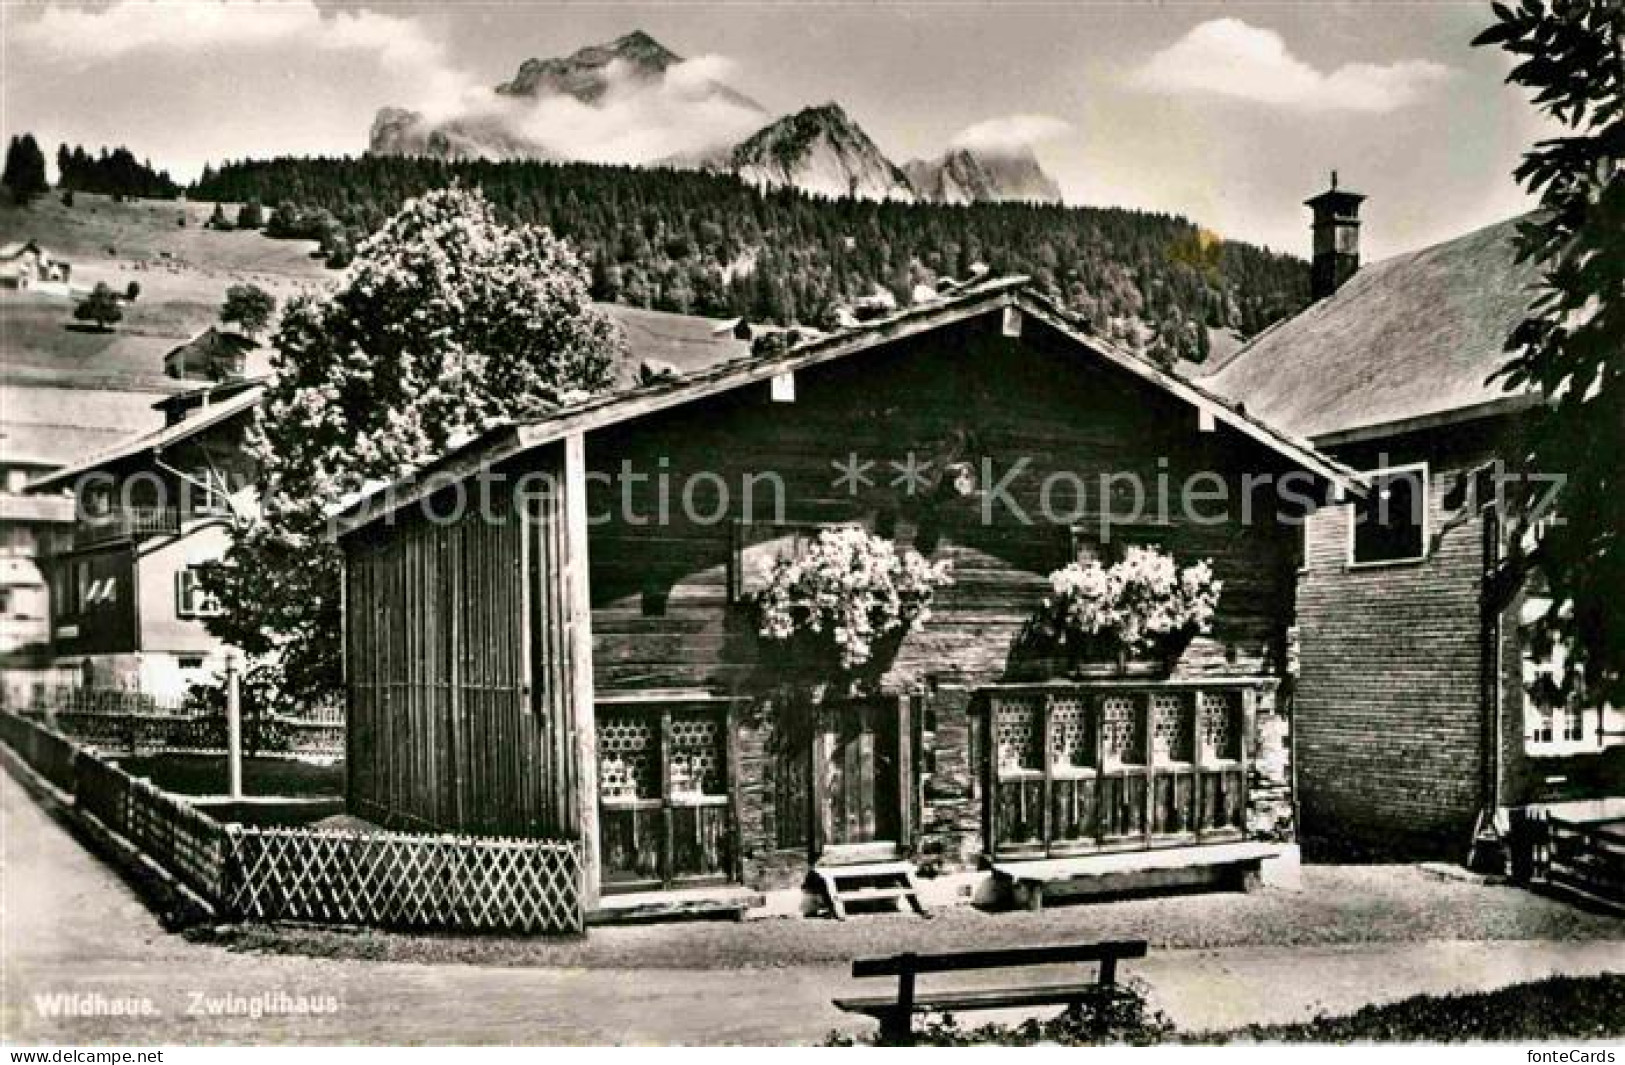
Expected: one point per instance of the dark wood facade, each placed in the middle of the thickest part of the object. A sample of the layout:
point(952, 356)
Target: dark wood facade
point(693, 756)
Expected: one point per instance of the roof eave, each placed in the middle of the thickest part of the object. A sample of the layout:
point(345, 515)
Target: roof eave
point(1299, 450)
point(149, 442)
point(1503, 405)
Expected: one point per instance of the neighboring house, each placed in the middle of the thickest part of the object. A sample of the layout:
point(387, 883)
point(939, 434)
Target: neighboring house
point(126, 603)
point(592, 672)
point(126, 597)
point(48, 419)
point(24, 264)
point(212, 355)
point(29, 527)
point(1421, 717)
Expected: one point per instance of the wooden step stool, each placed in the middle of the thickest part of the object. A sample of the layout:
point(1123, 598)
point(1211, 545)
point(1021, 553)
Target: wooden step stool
point(841, 885)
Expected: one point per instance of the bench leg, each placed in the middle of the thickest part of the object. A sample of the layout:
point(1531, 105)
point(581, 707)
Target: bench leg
point(897, 1028)
point(1030, 896)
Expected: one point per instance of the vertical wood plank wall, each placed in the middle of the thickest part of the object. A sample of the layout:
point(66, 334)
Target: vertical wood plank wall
point(458, 665)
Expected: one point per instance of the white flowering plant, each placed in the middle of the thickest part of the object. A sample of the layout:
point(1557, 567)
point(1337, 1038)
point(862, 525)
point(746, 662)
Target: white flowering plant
point(848, 591)
point(1142, 601)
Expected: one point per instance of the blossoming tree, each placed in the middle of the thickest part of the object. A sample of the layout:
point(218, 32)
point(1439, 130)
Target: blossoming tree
point(448, 323)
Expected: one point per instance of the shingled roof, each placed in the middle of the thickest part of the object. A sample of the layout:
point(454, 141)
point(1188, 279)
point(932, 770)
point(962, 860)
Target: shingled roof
point(1407, 338)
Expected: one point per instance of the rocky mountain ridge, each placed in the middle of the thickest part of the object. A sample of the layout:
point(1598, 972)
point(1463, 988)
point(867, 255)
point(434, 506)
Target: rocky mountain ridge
point(820, 150)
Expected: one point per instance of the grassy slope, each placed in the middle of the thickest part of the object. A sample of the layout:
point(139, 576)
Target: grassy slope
point(183, 272)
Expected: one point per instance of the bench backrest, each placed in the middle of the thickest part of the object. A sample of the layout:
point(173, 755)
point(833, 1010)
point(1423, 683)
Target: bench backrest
point(961, 961)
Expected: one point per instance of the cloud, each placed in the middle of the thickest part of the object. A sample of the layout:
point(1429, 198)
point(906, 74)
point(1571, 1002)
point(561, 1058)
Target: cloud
point(1010, 133)
point(1227, 57)
point(679, 116)
point(215, 28)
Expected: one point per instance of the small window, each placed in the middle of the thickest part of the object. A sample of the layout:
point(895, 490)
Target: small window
point(191, 601)
point(1391, 524)
point(190, 662)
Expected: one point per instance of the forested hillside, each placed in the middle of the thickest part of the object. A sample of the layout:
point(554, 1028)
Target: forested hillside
point(708, 244)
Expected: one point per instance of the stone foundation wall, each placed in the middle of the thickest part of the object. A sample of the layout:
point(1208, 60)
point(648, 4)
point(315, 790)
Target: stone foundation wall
point(950, 826)
point(1269, 784)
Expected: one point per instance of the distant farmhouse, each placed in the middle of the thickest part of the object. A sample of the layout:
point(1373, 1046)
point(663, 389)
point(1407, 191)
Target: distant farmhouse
point(213, 355)
point(1423, 712)
point(24, 264)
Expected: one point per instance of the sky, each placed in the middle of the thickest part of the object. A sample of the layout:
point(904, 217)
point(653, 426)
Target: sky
point(1228, 113)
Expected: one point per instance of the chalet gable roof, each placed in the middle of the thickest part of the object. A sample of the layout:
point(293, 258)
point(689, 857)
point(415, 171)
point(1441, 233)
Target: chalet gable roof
point(612, 408)
point(154, 442)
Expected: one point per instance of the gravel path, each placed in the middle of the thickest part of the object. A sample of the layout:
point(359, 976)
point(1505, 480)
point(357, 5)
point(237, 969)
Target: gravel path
point(1338, 905)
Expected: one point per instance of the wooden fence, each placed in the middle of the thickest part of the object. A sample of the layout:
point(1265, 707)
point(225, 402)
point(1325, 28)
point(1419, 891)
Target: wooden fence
point(133, 722)
point(395, 880)
point(1585, 856)
point(49, 752)
point(381, 879)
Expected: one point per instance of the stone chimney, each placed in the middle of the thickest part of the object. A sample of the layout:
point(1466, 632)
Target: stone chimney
point(1337, 239)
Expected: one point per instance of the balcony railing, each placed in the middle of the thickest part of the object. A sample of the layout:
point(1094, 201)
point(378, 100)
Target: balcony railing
point(126, 523)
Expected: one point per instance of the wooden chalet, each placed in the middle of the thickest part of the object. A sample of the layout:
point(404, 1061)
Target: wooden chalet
point(592, 668)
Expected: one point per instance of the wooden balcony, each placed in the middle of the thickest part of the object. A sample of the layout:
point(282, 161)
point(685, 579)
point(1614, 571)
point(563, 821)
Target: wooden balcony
point(1113, 765)
point(126, 523)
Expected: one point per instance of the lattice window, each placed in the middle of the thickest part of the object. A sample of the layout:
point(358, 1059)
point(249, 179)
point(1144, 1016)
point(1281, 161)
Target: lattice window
point(628, 756)
point(1219, 725)
point(1120, 728)
point(1070, 734)
point(1017, 731)
point(1171, 727)
point(699, 754)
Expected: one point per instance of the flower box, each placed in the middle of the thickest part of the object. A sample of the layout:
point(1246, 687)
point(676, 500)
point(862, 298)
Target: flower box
point(1135, 618)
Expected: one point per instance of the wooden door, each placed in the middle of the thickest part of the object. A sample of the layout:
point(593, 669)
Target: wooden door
point(861, 776)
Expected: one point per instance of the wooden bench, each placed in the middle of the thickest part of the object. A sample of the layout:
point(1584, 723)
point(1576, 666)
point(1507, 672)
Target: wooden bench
point(896, 1013)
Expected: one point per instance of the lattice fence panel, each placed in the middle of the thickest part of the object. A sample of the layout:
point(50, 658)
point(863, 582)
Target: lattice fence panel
point(102, 790)
point(395, 880)
point(49, 753)
point(1018, 731)
point(186, 841)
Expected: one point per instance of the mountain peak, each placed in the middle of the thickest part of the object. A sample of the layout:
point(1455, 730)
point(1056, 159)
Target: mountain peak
point(583, 73)
point(967, 174)
point(820, 150)
point(639, 46)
